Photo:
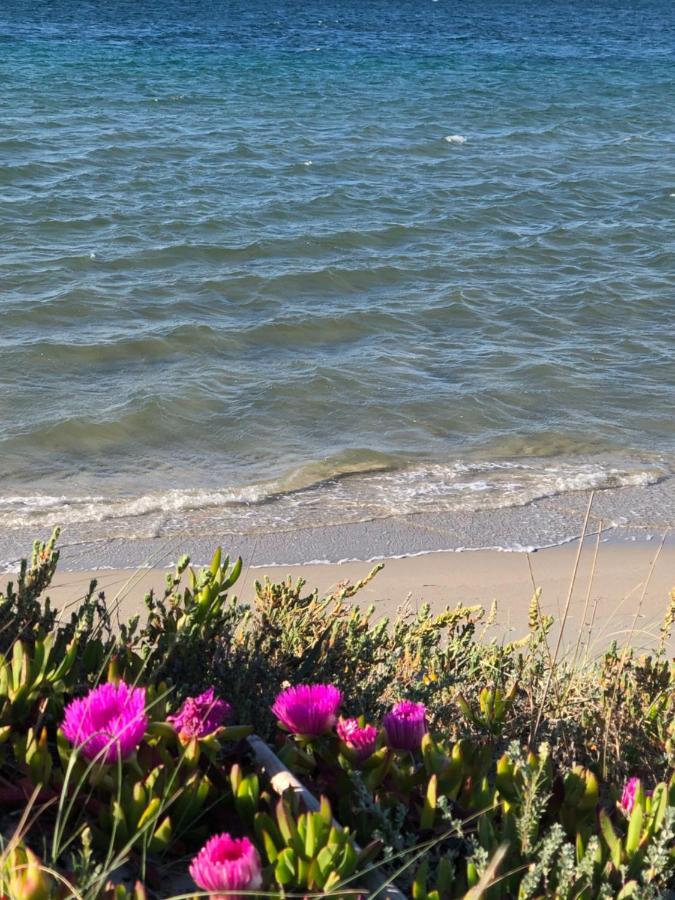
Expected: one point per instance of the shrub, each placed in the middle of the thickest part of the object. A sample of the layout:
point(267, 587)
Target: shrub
point(465, 768)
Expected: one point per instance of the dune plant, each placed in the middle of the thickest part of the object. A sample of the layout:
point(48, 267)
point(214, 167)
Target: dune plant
point(465, 767)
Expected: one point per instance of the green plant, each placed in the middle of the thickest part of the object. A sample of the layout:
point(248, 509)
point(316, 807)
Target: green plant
point(308, 851)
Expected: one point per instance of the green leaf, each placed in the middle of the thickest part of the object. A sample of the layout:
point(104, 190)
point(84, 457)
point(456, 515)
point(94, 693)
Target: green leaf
point(288, 828)
point(264, 823)
point(419, 886)
point(36, 661)
point(269, 845)
point(284, 870)
point(150, 811)
point(348, 861)
point(429, 808)
point(161, 730)
point(311, 842)
point(635, 824)
point(215, 561)
point(234, 574)
point(444, 875)
point(466, 710)
point(325, 811)
point(611, 838)
point(247, 796)
point(235, 732)
point(19, 665)
point(66, 663)
point(161, 839)
point(657, 811)
point(327, 859)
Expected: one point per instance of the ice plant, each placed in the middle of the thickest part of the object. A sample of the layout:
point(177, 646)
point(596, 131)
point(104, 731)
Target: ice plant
point(199, 716)
point(110, 720)
point(361, 738)
point(308, 709)
point(227, 864)
point(406, 725)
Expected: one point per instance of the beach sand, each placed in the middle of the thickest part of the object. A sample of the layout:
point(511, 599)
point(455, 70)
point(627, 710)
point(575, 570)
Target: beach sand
point(626, 600)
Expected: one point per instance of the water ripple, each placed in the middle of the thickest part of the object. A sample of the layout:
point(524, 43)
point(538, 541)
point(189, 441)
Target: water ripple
point(249, 240)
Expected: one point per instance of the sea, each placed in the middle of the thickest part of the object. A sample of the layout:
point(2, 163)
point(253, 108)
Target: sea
point(324, 280)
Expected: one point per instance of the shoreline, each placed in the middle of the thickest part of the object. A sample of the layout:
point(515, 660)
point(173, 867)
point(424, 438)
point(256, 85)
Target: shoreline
point(627, 515)
point(627, 595)
point(356, 517)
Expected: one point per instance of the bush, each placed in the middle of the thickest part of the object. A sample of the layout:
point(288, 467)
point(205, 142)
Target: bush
point(504, 775)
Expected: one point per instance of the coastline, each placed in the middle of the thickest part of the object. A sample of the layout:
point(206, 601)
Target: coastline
point(269, 532)
point(628, 596)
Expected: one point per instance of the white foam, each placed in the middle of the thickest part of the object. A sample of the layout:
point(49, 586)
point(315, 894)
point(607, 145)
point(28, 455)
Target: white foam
point(30, 509)
point(457, 487)
point(455, 139)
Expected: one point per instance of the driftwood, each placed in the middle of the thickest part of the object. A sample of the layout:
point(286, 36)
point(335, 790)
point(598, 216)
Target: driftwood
point(282, 780)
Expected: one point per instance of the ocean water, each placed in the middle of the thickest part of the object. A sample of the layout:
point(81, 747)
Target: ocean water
point(281, 267)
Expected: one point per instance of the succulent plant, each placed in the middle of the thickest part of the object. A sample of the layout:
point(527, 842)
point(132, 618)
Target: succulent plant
point(33, 755)
point(580, 801)
point(493, 708)
point(32, 677)
point(643, 822)
point(308, 851)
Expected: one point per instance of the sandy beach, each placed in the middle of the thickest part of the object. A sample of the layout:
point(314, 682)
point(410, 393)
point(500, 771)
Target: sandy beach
point(626, 598)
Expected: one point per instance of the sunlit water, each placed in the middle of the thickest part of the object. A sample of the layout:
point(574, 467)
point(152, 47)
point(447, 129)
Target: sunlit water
point(283, 264)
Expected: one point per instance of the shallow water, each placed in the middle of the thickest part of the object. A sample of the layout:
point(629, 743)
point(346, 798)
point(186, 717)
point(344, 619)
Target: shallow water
point(286, 264)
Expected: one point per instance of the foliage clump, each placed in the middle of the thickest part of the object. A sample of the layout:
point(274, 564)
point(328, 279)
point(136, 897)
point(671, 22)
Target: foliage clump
point(517, 786)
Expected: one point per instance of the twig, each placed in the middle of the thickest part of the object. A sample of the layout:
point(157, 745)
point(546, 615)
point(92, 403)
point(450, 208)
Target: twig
point(570, 591)
point(588, 599)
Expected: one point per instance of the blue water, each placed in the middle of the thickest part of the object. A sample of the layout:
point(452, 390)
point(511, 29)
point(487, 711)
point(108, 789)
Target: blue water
point(247, 249)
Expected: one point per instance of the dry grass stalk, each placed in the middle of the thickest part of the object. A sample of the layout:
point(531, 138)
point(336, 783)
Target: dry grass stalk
point(625, 652)
point(540, 712)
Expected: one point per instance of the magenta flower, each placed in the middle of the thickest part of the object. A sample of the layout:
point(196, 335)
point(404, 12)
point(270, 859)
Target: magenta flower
point(308, 709)
point(628, 795)
point(406, 725)
point(110, 720)
point(227, 864)
point(362, 739)
point(199, 716)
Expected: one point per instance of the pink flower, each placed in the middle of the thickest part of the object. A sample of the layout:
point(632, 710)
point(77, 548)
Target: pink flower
point(406, 725)
point(362, 739)
point(628, 795)
point(199, 716)
point(227, 864)
point(111, 719)
point(308, 709)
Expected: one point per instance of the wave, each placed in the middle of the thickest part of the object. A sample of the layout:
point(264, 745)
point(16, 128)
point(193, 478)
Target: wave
point(348, 489)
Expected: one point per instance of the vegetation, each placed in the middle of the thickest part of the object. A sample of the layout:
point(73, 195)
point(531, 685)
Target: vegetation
point(509, 773)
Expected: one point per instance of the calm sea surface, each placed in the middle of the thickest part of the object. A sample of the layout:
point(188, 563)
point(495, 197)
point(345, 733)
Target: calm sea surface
point(283, 264)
